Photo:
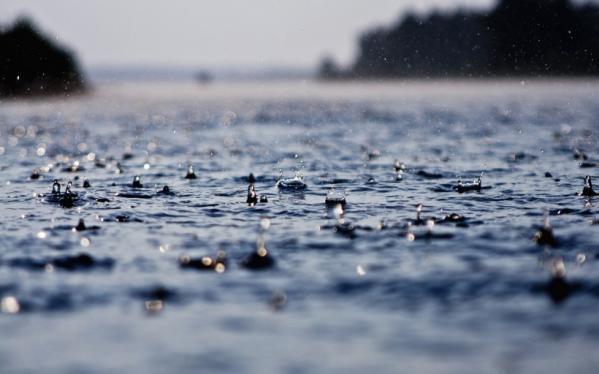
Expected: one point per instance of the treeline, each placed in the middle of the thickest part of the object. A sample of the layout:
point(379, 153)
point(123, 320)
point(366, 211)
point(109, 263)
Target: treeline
point(515, 38)
point(32, 65)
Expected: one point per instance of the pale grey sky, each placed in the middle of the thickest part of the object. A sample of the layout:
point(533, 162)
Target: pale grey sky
point(214, 33)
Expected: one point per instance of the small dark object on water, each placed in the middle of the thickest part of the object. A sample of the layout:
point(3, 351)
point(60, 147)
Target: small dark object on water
point(332, 201)
point(433, 235)
point(82, 227)
point(454, 217)
point(122, 218)
point(293, 184)
point(166, 191)
point(263, 199)
point(371, 153)
point(68, 196)
point(259, 259)
point(545, 235)
point(218, 263)
point(86, 184)
point(252, 198)
point(134, 195)
point(66, 199)
point(81, 261)
point(35, 174)
point(418, 221)
point(137, 182)
point(587, 165)
point(399, 166)
point(56, 187)
point(119, 168)
point(521, 157)
point(558, 288)
point(466, 187)
point(74, 168)
point(157, 293)
point(374, 154)
point(125, 218)
point(334, 198)
point(203, 77)
point(128, 156)
point(190, 173)
point(587, 190)
point(346, 229)
point(549, 175)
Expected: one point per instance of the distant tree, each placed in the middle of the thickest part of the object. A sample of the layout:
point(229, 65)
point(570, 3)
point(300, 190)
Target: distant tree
point(328, 69)
point(31, 64)
point(517, 37)
point(543, 37)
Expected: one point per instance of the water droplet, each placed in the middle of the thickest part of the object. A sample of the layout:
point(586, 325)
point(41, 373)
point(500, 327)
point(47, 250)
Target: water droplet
point(219, 268)
point(558, 268)
point(264, 223)
point(154, 306)
point(82, 147)
point(430, 224)
point(10, 305)
point(360, 270)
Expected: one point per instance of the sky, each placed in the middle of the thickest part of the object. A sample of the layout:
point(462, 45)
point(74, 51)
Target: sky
point(225, 33)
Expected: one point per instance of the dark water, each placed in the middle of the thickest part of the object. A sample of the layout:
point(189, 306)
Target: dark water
point(472, 296)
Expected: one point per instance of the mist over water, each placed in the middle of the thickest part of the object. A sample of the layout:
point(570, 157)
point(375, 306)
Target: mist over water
point(369, 286)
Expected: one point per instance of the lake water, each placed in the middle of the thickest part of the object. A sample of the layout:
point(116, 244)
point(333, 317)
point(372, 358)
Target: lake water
point(352, 290)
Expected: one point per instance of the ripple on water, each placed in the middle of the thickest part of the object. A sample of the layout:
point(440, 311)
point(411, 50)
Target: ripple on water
point(464, 268)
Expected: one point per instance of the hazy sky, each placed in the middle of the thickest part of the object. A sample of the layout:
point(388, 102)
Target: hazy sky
point(213, 33)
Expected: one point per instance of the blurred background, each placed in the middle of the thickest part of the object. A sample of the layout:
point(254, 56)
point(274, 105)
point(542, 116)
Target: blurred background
point(269, 39)
point(179, 37)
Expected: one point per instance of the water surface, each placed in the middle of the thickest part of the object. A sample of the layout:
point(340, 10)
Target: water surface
point(473, 297)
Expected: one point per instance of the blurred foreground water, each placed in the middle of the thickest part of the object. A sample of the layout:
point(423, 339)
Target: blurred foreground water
point(364, 287)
